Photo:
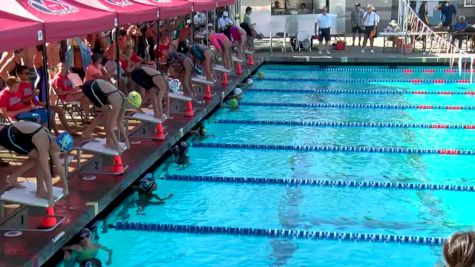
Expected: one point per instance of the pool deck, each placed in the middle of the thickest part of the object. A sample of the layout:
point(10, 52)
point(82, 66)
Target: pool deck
point(88, 198)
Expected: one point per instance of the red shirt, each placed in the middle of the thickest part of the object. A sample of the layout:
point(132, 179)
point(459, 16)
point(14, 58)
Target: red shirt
point(26, 90)
point(63, 83)
point(11, 101)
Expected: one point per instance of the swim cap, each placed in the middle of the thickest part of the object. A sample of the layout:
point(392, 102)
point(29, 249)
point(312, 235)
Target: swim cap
point(233, 103)
point(260, 74)
point(146, 184)
point(237, 91)
point(175, 85)
point(134, 99)
point(250, 81)
point(65, 141)
point(93, 262)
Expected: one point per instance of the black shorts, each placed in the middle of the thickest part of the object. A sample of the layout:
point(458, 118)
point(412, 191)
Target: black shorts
point(13, 139)
point(94, 93)
point(182, 47)
point(368, 29)
point(357, 29)
point(324, 34)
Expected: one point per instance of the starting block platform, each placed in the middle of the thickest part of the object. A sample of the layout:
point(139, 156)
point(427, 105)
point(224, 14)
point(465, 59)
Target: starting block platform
point(201, 80)
point(146, 117)
point(98, 146)
point(221, 68)
point(248, 52)
point(27, 196)
point(235, 59)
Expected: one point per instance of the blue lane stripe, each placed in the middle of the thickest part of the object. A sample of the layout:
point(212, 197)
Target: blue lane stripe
point(280, 233)
point(365, 149)
point(321, 183)
point(348, 80)
point(345, 124)
point(357, 92)
point(359, 106)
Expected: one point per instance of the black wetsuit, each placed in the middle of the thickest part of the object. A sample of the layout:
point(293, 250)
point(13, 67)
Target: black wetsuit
point(13, 139)
point(93, 91)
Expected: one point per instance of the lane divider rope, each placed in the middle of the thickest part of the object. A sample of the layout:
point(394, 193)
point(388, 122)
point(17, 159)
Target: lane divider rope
point(388, 150)
point(280, 233)
point(358, 106)
point(351, 80)
point(321, 183)
point(397, 70)
point(360, 92)
point(347, 124)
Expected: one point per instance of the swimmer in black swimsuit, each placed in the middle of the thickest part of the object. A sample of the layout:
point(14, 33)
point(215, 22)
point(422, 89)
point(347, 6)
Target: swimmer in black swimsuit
point(39, 144)
point(155, 88)
point(206, 58)
point(181, 68)
point(113, 105)
point(146, 195)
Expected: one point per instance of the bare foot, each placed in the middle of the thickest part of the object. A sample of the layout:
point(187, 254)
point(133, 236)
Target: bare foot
point(13, 182)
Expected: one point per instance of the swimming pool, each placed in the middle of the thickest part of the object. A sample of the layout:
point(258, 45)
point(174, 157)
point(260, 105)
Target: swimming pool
point(268, 166)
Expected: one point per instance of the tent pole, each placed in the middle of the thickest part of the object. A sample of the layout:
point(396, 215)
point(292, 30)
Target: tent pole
point(157, 58)
point(46, 80)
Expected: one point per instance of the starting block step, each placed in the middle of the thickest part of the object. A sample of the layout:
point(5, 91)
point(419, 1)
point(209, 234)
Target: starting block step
point(147, 117)
point(179, 96)
point(99, 146)
point(27, 196)
point(201, 80)
point(249, 52)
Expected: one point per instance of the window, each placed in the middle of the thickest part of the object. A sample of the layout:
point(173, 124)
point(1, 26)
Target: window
point(297, 7)
point(469, 3)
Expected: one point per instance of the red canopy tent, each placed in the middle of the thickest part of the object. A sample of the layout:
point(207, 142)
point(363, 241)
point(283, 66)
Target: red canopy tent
point(169, 8)
point(66, 18)
point(203, 5)
point(223, 3)
point(17, 32)
point(128, 11)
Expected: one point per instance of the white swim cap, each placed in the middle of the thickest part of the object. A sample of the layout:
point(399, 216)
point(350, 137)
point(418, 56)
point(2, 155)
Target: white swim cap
point(237, 91)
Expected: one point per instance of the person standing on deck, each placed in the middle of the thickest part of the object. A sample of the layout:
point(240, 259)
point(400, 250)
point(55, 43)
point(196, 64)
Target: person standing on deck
point(323, 25)
point(356, 23)
point(370, 23)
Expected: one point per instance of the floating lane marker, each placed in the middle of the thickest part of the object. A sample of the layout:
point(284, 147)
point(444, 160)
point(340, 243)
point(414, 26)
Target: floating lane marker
point(280, 233)
point(359, 149)
point(395, 70)
point(357, 106)
point(347, 124)
point(360, 92)
point(363, 80)
point(321, 183)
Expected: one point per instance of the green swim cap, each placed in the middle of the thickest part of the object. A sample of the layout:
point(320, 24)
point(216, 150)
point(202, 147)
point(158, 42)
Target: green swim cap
point(134, 99)
point(233, 103)
point(260, 74)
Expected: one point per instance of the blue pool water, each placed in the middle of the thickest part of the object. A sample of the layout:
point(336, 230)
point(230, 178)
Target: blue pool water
point(408, 212)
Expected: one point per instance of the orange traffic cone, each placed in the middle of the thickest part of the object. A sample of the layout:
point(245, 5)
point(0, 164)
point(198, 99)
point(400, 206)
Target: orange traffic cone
point(159, 132)
point(118, 166)
point(251, 60)
point(225, 79)
point(208, 92)
point(49, 220)
point(238, 69)
point(189, 109)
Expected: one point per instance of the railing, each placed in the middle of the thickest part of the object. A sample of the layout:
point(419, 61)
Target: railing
point(438, 46)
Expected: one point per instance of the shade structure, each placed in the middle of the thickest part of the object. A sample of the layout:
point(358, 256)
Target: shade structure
point(203, 5)
point(66, 18)
point(18, 32)
point(128, 11)
point(169, 8)
point(223, 3)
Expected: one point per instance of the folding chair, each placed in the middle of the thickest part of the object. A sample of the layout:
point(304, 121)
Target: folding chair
point(69, 107)
point(303, 39)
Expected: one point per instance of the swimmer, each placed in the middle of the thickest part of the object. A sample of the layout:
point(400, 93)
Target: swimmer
point(113, 104)
point(459, 250)
point(38, 144)
point(200, 132)
point(238, 35)
point(205, 57)
point(223, 47)
point(145, 190)
point(233, 99)
point(181, 68)
point(86, 250)
point(155, 85)
point(180, 151)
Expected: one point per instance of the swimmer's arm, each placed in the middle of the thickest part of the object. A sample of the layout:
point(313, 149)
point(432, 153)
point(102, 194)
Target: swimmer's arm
point(109, 251)
point(157, 197)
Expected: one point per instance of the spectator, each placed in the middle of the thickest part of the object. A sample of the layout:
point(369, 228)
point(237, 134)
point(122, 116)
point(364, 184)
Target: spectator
point(303, 9)
point(459, 29)
point(9, 69)
point(323, 25)
point(95, 70)
point(78, 56)
point(41, 72)
point(356, 22)
point(249, 28)
point(393, 26)
point(224, 22)
point(459, 250)
point(184, 37)
point(448, 11)
point(423, 12)
point(370, 23)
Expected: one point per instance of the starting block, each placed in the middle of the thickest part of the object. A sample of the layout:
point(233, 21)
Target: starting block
point(27, 196)
point(235, 59)
point(177, 107)
point(150, 120)
point(248, 52)
point(221, 68)
point(201, 80)
point(98, 146)
point(146, 117)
